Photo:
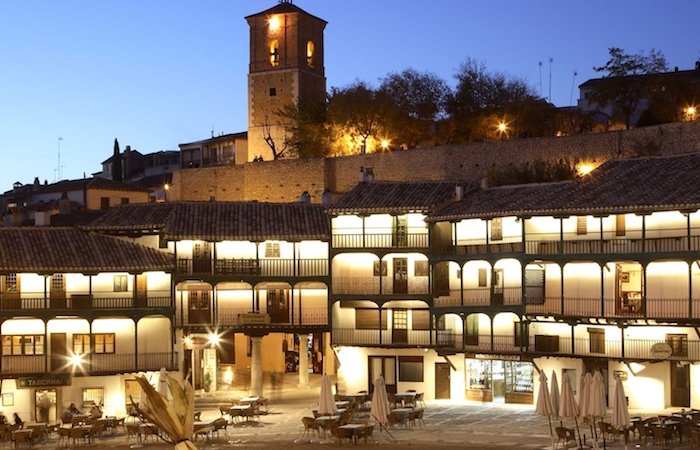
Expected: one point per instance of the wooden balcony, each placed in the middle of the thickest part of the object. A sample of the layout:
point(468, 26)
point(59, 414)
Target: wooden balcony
point(284, 319)
point(264, 268)
point(371, 286)
point(72, 302)
point(380, 240)
point(94, 364)
point(455, 298)
point(651, 308)
point(373, 338)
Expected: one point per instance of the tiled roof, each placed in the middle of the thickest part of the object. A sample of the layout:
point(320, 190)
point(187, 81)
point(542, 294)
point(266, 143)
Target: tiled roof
point(50, 250)
point(223, 137)
point(396, 197)
point(283, 8)
point(217, 221)
point(618, 186)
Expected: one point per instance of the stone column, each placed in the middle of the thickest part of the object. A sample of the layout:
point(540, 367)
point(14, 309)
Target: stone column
point(303, 361)
point(256, 372)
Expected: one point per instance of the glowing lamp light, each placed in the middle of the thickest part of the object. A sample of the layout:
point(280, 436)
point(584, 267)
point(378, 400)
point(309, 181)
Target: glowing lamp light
point(274, 24)
point(691, 113)
point(585, 169)
point(385, 144)
point(214, 339)
point(76, 360)
point(166, 186)
point(228, 376)
point(187, 341)
point(502, 127)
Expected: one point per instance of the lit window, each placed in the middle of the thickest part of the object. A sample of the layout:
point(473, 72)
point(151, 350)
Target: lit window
point(23, 345)
point(272, 250)
point(121, 283)
point(582, 225)
point(310, 50)
point(274, 53)
point(93, 396)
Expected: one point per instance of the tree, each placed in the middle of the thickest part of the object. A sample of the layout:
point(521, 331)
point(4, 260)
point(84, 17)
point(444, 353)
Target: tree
point(628, 80)
point(538, 171)
point(279, 145)
point(415, 102)
point(310, 134)
point(358, 110)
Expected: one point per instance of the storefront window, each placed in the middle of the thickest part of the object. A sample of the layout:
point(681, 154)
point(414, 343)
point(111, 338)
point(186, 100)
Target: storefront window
point(518, 376)
point(478, 374)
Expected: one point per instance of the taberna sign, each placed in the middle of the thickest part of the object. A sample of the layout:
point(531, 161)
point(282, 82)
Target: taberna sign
point(53, 380)
point(661, 350)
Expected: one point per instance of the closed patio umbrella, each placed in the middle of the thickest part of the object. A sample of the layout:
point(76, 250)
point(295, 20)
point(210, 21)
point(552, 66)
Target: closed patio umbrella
point(620, 412)
point(583, 387)
point(326, 404)
point(554, 395)
point(597, 407)
point(567, 406)
point(543, 407)
point(162, 387)
point(380, 403)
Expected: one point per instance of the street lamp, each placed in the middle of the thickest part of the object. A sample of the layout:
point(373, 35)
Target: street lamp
point(691, 112)
point(166, 188)
point(385, 144)
point(502, 128)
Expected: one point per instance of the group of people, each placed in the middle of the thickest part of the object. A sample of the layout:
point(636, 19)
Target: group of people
point(72, 411)
point(15, 417)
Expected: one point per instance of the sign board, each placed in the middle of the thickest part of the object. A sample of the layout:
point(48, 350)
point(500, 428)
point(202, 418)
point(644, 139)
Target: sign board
point(53, 380)
point(621, 374)
point(498, 357)
point(252, 319)
point(661, 350)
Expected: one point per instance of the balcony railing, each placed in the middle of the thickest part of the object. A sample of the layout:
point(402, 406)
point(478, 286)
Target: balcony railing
point(85, 301)
point(370, 286)
point(253, 267)
point(381, 240)
point(229, 316)
point(480, 297)
point(653, 308)
point(396, 338)
point(611, 348)
point(95, 363)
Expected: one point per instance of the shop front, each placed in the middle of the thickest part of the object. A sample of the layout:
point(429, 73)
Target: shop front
point(499, 378)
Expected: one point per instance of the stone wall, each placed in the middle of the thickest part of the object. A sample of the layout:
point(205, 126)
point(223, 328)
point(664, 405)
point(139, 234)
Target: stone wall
point(285, 180)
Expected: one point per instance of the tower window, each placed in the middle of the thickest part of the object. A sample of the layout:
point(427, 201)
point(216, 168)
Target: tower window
point(273, 92)
point(310, 50)
point(274, 53)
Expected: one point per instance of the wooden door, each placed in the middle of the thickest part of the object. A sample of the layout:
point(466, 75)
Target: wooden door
point(442, 380)
point(57, 293)
point(278, 305)
point(201, 260)
point(497, 284)
point(534, 286)
point(59, 352)
point(441, 279)
point(400, 231)
point(10, 291)
point(141, 291)
point(400, 275)
point(680, 385)
point(399, 326)
point(199, 302)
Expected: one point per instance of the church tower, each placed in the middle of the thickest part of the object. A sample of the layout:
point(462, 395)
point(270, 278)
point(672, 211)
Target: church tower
point(286, 67)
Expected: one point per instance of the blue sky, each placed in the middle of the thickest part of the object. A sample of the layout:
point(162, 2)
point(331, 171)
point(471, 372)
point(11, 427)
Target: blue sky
point(158, 73)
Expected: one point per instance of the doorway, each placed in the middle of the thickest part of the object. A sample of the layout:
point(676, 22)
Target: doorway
point(201, 259)
point(59, 352)
point(57, 293)
point(399, 326)
point(680, 384)
point(442, 381)
point(141, 290)
point(497, 283)
point(45, 401)
point(400, 275)
point(278, 305)
point(384, 366)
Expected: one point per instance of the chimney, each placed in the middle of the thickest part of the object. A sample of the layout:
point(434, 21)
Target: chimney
point(305, 198)
point(127, 163)
point(326, 198)
point(37, 183)
point(362, 174)
point(64, 204)
point(459, 192)
point(366, 175)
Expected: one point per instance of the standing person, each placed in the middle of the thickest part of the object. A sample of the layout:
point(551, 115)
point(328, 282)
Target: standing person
point(44, 406)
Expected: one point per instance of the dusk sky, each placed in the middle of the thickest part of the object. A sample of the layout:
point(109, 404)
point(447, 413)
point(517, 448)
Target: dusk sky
point(158, 73)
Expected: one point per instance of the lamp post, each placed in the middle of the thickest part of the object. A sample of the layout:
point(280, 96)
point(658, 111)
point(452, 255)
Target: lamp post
point(166, 188)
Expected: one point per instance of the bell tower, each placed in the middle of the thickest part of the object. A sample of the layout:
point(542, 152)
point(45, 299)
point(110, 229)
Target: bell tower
point(286, 67)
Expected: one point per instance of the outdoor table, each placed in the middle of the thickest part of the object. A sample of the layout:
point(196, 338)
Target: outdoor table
point(149, 425)
point(249, 400)
point(323, 420)
point(353, 429)
point(40, 426)
point(342, 404)
point(402, 414)
point(405, 397)
point(241, 408)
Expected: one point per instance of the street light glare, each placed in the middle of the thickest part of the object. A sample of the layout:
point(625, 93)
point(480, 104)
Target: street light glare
point(274, 23)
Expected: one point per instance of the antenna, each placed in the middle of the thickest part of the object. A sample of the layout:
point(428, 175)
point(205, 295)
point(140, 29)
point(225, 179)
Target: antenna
point(573, 83)
point(58, 169)
point(551, 61)
point(540, 64)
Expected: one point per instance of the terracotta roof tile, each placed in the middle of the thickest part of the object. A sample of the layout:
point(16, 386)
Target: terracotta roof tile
point(49, 250)
point(218, 221)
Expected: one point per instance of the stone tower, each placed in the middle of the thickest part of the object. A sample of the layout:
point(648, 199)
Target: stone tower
point(286, 66)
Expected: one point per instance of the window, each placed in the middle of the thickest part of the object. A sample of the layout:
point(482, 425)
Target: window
point(596, 338)
point(104, 203)
point(420, 268)
point(376, 269)
point(582, 225)
point(121, 283)
point(678, 343)
point(272, 249)
point(102, 343)
point(23, 345)
point(10, 283)
point(310, 50)
point(199, 300)
point(273, 92)
point(368, 319)
point(420, 319)
point(274, 53)
point(620, 225)
point(411, 368)
point(93, 396)
point(125, 200)
point(517, 334)
point(482, 278)
point(472, 329)
point(496, 229)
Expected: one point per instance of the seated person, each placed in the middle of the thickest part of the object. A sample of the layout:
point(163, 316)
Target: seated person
point(67, 417)
point(3, 419)
point(73, 409)
point(19, 422)
point(95, 412)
